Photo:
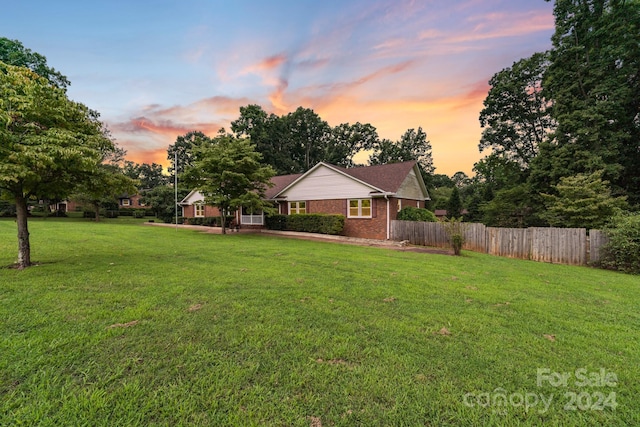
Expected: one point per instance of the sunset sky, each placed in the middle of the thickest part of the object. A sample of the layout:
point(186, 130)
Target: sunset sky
point(158, 69)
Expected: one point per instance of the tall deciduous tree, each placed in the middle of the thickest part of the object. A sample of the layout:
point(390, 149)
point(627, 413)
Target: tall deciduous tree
point(309, 136)
point(269, 135)
point(413, 145)
point(347, 140)
point(229, 174)
point(295, 142)
point(47, 144)
point(594, 81)
point(148, 175)
point(184, 147)
point(516, 117)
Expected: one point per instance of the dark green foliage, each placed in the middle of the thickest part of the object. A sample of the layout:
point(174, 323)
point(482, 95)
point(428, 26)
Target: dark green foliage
point(295, 142)
point(138, 213)
point(268, 133)
point(309, 223)
point(411, 213)
point(454, 204)
point(184, 147)
point(515, 117)
point(208, 221)
point(512, 207)
point(347, 140)
point(147, 176)
point(162, 202)
point(276, 222)
point(229, 174)
point(441, 180)
point(107, 213)
point(413, 145)
point(594, 81)
point(7, 209)
point(583, 201)
point(623, 250)
point(573, 110)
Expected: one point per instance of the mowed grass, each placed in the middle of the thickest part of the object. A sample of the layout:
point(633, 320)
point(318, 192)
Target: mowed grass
point(122, 324)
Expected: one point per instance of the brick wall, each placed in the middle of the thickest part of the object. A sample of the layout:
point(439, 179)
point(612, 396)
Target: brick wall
point(370, 228)
point(189, 211)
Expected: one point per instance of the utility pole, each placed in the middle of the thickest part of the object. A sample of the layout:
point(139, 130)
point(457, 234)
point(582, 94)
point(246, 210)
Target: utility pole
point(175, 183)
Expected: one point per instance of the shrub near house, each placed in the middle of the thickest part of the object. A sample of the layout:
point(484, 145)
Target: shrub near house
point(416, 214)
point(310, 223)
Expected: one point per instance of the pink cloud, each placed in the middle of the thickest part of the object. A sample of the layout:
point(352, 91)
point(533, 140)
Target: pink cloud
point(268, 64)
point(501, 25)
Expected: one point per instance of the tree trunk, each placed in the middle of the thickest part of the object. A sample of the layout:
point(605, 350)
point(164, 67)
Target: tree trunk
point(224, 220)
point(24, 248)
point(97, 206)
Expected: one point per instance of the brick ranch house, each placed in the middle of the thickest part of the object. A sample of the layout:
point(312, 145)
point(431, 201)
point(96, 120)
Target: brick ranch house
point(125, 201)
point(369, 197)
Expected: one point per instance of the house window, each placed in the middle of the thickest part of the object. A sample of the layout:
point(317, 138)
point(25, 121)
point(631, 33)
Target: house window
point(251, 216)
point(360, 208)
point(198, 210)
point(125, 202)
point(297, 207)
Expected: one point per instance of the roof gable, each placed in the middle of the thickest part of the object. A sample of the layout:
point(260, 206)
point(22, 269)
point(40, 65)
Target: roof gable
point(280, 182)
point(392, 178)
point(324, 182)
point(191, 198)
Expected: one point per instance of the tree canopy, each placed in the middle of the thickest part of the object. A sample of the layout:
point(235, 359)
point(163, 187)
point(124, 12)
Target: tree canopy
point(583, 201)
point(148, 176)
point(229, 174)
point(12, 52)
point(48, 144)
point(516, 117)
point(565, 114)
point(593, 80)
point(295, 142)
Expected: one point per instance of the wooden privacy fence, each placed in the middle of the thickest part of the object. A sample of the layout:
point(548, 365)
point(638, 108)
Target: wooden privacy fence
point(557, 245)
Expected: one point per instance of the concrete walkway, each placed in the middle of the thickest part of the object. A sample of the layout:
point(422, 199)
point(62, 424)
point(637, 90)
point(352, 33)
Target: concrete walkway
point(203, 228)
point(390, 244)
point(294, 234)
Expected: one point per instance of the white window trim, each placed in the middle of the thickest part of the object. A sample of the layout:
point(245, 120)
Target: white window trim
point(125, 202)
point(359, 209)
point(197, 205)
point(297, 209)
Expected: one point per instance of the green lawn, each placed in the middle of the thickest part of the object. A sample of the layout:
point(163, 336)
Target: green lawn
point(122, 324)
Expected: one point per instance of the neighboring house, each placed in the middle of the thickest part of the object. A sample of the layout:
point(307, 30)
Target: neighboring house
point(125, 201)
point(65, 206)
point(134, 201)
point(442, 213)
point(193, 206)
point(369, 197)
